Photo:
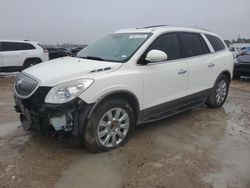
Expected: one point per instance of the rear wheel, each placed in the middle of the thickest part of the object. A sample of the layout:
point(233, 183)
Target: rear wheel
point(110, 126)
point(219, 93)
point(31, 62)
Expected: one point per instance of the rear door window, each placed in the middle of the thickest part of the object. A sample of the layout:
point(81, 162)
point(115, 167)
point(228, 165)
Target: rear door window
point(16, 46)
point(216, 43)
point(193, 44)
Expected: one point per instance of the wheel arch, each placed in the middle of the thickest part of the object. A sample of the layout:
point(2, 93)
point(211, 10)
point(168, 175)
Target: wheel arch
point(227, 74)
point(121, 94)
point(32, 59)
point(211, 101)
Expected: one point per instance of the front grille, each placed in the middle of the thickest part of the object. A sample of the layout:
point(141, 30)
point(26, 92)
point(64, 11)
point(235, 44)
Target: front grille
point(25, 85)
point(35, 102)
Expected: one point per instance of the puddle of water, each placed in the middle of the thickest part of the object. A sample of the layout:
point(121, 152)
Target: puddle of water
point(233, 155)
point(8, 74)
point(233, 152)
point(94, 171)
point(182, 133)
point(5, 104)
point(7, 128)
point(192, 131)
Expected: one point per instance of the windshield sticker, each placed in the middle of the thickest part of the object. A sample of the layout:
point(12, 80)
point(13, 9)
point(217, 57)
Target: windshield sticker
point(138, 36)
point(123, 56)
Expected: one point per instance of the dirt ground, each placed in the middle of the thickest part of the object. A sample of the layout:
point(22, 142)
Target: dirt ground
point(199, 148)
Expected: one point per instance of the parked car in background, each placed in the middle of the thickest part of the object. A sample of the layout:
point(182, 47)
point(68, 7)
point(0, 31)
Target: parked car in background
point(245, 50)
point(55, 52)
point(242, 66)
point(17, 55)
point(76, 49)
point(234, 51)
point(127, 78)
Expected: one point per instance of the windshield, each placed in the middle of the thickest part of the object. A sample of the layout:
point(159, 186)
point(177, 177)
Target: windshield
point(117, 47)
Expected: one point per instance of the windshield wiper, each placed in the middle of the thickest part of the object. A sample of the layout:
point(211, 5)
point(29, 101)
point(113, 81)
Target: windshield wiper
point(94, 58)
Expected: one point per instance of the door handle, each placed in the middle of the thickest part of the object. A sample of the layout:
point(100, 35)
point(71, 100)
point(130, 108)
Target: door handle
point(182, 71)
point(211, 65)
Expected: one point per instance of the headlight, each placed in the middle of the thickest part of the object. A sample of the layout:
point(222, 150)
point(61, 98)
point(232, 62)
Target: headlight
point(67, 91)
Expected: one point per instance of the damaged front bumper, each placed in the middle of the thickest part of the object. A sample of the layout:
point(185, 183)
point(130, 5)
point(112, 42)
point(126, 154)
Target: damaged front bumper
point(69, 117)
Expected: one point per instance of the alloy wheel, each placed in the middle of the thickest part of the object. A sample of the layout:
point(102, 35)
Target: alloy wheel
point(113, 127)
point(221, 91)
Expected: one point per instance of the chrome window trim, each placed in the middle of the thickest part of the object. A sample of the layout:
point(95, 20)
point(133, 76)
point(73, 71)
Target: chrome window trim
point(213, 52)
point(181, 59)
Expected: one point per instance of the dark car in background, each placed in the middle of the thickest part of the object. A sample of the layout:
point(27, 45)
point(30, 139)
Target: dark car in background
point(245, 50)
point(76, 49)
point(55, 52)
point(242, 66)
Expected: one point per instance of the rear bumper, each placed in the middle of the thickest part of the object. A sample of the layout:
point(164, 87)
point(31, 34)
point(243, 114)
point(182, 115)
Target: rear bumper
point(45, 57)
point(241, 69)
point(70, 117)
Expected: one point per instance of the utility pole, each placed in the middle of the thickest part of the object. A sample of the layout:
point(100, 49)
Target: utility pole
point(240, 39)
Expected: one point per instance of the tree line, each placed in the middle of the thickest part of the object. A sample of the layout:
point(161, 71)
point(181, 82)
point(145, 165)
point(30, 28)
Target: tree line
point(239, 40)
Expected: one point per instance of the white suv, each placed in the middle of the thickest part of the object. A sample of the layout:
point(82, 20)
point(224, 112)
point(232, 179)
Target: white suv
point(129, 77)
point(17, 55)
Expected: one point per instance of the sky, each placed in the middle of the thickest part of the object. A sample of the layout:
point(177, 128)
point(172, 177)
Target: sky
point(84, 21)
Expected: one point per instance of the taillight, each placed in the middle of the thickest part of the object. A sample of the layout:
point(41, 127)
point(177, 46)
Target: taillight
point(45, 50)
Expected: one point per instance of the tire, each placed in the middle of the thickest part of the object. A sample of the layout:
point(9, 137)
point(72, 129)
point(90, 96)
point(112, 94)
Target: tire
point(95, 133)
point(220, 91)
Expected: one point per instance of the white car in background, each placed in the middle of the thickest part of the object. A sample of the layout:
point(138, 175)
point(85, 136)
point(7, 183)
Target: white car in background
point(129, 77)
point(17, 55)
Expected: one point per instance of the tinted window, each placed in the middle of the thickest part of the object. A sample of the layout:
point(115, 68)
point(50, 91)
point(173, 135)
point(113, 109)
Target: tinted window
point(15, 46)
point(169, 44)
point(216, 43)
point(193, 44)
point(0, 46)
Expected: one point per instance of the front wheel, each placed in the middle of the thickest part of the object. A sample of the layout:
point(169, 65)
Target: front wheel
point(110, 126)
point(219, 92)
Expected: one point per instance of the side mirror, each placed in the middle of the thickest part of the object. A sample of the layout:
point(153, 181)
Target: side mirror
point(156, 56)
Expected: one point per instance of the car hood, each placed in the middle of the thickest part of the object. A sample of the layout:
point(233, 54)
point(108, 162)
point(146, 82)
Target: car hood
point(61, 70)
point(244, 59)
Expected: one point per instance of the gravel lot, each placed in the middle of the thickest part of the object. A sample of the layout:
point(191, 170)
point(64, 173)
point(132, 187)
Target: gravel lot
point(199, 148)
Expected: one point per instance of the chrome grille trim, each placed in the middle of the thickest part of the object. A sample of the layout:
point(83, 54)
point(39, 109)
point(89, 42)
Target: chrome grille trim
point(31, 89)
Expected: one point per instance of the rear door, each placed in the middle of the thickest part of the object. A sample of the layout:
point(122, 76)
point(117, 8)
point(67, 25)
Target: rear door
point(164, 81)
point(200, 64)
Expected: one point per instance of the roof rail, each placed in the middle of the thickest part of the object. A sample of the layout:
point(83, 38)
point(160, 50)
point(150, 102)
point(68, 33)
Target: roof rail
point(152, 26)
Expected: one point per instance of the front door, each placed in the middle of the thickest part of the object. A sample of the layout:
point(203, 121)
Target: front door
point(164, 81)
